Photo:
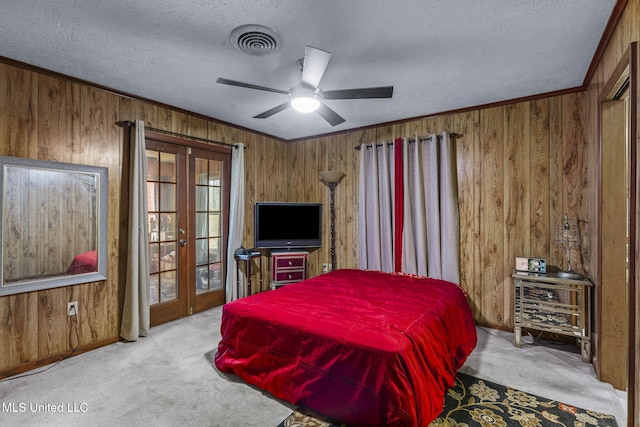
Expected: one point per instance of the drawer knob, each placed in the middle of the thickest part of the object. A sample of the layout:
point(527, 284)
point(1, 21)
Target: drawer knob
point(290, 262)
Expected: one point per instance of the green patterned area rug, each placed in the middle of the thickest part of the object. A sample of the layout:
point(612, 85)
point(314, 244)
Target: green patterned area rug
point(473, 402)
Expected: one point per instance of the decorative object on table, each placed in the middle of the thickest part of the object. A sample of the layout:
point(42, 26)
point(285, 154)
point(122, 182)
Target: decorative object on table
point(331, 178)
point(480, 403)
point(567, 237)
point(531, 265)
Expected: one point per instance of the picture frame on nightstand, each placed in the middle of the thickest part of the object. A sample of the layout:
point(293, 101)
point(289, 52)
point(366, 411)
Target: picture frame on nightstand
point(527, 265)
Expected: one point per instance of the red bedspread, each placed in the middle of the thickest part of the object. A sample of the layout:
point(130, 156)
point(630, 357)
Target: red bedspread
point(365, 348)
point(84, 263)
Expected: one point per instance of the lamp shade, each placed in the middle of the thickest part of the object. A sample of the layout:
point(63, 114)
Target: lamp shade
point(331, 176)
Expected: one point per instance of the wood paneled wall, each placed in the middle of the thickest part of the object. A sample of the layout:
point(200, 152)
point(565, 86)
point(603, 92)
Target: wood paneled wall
point(49, 118)
point(610, 362)
point(520, 168)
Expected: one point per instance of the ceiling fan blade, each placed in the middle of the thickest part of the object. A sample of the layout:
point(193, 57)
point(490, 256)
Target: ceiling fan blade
point(362, 93)
point(315, 63)
point(249, 85)
point(272, 111)
point(329, 115)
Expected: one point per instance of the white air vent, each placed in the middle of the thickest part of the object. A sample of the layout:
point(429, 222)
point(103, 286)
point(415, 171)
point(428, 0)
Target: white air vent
point(255, 39)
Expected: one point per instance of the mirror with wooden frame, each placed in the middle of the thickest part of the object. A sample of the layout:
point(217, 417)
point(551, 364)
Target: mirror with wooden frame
point(54, 224)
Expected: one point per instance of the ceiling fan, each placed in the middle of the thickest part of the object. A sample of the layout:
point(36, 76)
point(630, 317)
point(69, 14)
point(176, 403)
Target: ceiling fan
point(307, 96)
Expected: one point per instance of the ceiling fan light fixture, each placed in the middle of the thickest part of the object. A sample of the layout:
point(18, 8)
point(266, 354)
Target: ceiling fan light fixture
point(305, 102)
point(307, 96)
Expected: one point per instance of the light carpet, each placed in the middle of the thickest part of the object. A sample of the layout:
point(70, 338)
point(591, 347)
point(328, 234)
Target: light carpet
point(473, 402)
point(168, 379)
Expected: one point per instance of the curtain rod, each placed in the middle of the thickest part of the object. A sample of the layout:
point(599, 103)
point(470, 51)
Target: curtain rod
point(425, 138)
point(129, 123)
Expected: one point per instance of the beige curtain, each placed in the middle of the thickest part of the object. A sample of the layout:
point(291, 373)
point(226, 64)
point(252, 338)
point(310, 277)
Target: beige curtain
point(236, 219)
point(449, 211)
point(418, 176)
point(135, 314)
point(431, 237)
point(375, 207)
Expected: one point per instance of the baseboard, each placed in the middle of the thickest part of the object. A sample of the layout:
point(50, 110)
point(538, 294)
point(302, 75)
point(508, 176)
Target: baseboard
point(495, 326)
point(29, 366)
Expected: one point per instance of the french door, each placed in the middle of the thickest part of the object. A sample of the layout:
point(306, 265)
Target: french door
point(188, 200)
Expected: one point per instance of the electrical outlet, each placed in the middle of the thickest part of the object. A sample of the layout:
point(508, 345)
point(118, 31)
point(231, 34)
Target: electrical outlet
point(72, 308)
point(325, 267)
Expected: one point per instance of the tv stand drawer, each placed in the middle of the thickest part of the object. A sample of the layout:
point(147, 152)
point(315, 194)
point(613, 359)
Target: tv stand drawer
point(292, 261)
point(289, 277)
point(288, 267)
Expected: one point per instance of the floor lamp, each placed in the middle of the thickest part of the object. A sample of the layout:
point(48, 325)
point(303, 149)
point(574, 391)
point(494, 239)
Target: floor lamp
point(331, 178)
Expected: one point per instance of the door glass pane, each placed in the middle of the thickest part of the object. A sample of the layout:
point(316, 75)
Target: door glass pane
point(167, 197)
point(214, 198)
point(153, 165)
point(167, 167)
point(167, 226)
point(168, 256)
point(168, 286)
point(215, 172)
point(202, 279)
point(154, 289)
point(202, 253)
point(214, 250)
point(209, 270)
point(152, 196)
point(202, 174)
point(154, 258)
point(201, 198)
point(154, 222)
point(161, 204)
point(201, 225)
point(214, 224)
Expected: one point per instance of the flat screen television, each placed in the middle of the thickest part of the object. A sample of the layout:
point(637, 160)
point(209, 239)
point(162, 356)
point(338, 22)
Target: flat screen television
point(288, 225)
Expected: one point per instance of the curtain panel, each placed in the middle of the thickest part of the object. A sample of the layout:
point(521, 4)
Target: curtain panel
point(236, 219)
point(375, 213)
point(408, 207)
point(136, 311)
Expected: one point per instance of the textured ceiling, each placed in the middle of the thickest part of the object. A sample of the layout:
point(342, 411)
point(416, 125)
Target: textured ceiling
point(439, 55)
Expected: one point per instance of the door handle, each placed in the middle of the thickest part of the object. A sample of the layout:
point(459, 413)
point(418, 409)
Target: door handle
point(183, 242)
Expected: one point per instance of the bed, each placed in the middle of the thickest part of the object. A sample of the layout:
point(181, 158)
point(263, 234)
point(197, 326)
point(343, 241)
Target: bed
point(362, 347)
